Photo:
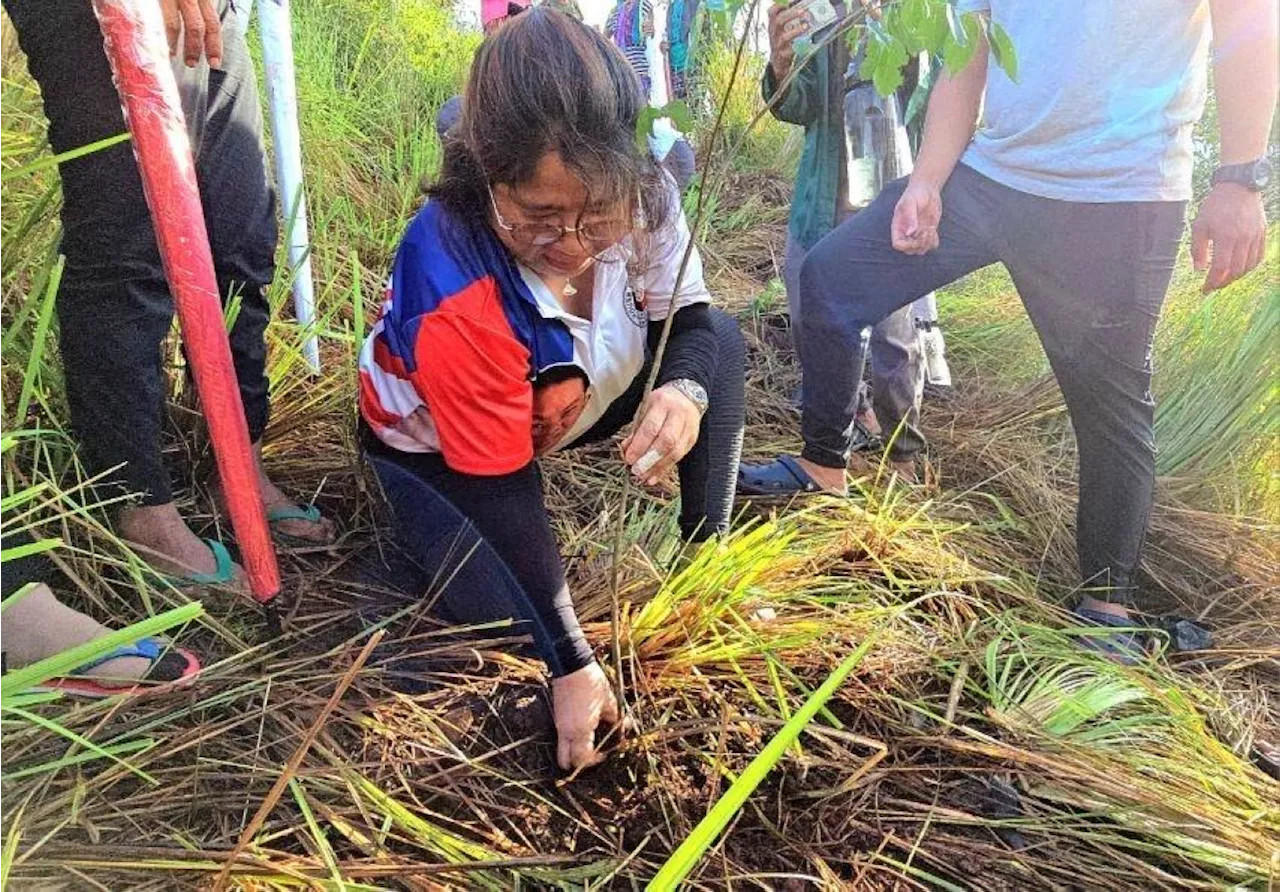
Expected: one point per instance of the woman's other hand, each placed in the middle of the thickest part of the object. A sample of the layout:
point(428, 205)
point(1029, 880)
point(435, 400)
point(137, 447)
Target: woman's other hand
point(580, 701)
point(664, 434)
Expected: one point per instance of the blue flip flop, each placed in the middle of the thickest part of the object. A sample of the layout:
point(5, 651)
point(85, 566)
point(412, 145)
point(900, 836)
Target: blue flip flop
point(781, 477)
point(308, 513)
point(170, 667)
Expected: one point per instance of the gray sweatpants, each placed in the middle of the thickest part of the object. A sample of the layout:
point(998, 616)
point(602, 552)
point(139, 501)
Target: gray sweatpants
point(897, 363)
point(1092, 278)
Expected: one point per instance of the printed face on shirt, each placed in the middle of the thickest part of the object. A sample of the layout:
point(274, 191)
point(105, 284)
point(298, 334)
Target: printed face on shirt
point(554, 198)
point(557, 403)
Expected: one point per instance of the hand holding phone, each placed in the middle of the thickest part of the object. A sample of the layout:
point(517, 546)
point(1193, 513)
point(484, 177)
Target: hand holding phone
point(786, 24)
point(820, 14)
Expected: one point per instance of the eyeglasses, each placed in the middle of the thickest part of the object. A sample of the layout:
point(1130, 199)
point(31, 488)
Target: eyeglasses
point(599, 238)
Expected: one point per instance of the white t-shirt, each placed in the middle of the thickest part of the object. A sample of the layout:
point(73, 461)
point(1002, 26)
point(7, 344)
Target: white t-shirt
point(1106, 98)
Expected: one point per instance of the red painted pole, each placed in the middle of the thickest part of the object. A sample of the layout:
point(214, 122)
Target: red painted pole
point(133, 31)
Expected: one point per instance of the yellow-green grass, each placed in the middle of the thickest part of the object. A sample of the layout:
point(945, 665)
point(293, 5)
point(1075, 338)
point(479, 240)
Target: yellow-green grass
point(972, 686)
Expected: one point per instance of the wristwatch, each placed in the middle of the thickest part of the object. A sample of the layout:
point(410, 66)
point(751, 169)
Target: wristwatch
point(696, 393)
point(1253, 175)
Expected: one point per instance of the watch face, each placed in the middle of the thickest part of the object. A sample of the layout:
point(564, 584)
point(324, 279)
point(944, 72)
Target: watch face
point(1262, 174)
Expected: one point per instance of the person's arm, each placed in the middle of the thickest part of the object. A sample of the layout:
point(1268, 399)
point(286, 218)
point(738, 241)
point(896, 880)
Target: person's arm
point(509, 512)
point(692, 349)
point(669, 421)
point(800, 104)
point(1229, 235)
point(472, 377)
point(949, 124)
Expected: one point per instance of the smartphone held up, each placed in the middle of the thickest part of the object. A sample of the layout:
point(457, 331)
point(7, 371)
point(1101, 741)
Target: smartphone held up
point(820, 15)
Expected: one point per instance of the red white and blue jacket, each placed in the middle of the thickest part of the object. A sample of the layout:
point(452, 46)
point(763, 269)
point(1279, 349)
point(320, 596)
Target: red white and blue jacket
point(465, 332)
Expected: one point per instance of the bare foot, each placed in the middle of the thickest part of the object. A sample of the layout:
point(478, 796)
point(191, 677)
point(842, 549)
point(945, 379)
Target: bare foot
point(162, 537)
point(829, 480)
point(38, 625)
point(1090, 603)
point(320, 532)
point(862, 465)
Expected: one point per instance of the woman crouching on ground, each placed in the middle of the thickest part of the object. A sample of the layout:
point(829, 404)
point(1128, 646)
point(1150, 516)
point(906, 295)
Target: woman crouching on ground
point(524, 308)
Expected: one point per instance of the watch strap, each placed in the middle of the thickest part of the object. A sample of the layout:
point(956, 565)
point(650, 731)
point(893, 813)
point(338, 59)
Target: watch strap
point(696, 393)
point(1250, 174)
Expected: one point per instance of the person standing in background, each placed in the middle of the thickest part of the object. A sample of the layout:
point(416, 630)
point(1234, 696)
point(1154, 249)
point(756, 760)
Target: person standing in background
point(630, 27)
point(677, 51)
point(677, 48)
point(855, 142)
point(1077, 181)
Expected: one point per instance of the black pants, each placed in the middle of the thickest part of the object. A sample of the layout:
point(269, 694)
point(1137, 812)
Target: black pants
point(488, 543)
point(114, 306)
point(1092, 278)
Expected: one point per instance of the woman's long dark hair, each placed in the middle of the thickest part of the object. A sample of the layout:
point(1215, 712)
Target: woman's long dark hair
point(544, 82)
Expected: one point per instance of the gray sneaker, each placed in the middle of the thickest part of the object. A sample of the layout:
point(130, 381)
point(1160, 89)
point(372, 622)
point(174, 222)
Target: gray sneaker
point(936, 370)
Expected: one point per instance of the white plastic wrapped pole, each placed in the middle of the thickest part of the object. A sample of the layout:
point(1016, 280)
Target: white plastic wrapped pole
point(275, 27)
point(664, 134)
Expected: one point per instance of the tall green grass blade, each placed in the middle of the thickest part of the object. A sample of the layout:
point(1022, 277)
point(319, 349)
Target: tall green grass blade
point(11, 840)
point(36, 357)
point(114, 751)
point(61, 731)
point(53, 160)
point(704, 835)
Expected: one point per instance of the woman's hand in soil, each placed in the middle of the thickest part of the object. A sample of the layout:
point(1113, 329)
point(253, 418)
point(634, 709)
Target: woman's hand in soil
point(785, 25)
point(667, 429)
point(196, 25)
point(916, 218)
point(580, 701)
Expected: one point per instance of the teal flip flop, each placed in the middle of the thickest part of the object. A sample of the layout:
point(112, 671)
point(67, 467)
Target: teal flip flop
point(224, 572)
point(308, 513)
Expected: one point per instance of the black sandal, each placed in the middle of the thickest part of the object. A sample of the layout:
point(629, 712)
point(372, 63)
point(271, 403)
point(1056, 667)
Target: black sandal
point(781, 477)
point(1125, 645)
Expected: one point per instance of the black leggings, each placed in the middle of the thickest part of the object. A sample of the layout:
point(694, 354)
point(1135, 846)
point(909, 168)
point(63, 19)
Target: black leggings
point(487, 545)
point(709, 473)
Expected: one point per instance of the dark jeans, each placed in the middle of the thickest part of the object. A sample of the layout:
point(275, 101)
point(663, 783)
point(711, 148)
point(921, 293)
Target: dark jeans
point(114, 306)
point(897, 362)
point(1092, 278)
point(487, 543)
